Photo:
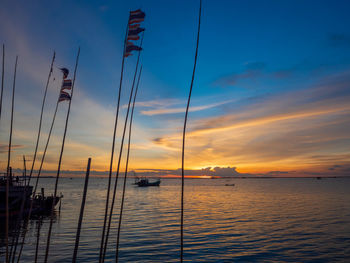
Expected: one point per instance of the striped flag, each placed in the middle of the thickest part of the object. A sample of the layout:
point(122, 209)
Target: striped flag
point(64, 96)
point(65, 72)
point(67, 84)
point(131, 47)
point(133, 37)
point(134, 30)
point(136, 16)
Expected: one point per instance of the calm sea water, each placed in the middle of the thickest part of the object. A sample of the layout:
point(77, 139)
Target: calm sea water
point(257, 220)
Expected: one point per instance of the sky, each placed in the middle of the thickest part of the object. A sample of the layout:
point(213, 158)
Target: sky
point(270, 97)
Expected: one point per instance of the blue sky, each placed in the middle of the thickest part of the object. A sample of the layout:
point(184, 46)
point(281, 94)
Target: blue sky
point(260, 62)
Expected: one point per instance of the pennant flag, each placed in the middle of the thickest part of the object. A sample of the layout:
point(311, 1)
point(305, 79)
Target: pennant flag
point(133, 27)
point(136, 16)
point(130, 47)
point(65, 72)
point(67, 84)
point(64, 96)
point(133, 37)
point(135, 31)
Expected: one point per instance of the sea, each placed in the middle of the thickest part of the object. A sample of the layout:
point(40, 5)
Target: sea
point(254, 220)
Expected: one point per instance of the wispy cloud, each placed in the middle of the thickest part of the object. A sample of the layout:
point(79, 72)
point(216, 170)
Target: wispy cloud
point(160, 111)
point(283, 131)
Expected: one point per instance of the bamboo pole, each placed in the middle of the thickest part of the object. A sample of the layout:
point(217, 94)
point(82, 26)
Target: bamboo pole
point(41, 116)
point(36, 183)
point(113, 149)
point(2, 77)
point(25, 169)
point(35, 152)
point(37, 239)
point(9, 177)
point(7, 212)
point(77, 237)
point(60, 161)
point(184, 133)
point(120, 156)
point(12, 107)
point(126, 166)
point(18, 223)
point(37, 180)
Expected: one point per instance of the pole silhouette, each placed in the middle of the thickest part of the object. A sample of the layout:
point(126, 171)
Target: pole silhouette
point(184, 134)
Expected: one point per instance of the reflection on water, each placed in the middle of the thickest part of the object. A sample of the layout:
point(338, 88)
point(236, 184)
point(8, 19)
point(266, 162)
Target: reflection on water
point(253, 221)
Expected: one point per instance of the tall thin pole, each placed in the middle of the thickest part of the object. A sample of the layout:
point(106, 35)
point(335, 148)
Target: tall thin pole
point(7, 212)
point(36, 182)
point(37, 239)
point(9, 159)
point(77, 237)
point(12, 107)
point(126, 166)
point(41, 116)
point(60, 161)
point(184, 133)
point(2, 76)
point(120, 156)
point(113, 147)
point(24, 168)
point(35, 152)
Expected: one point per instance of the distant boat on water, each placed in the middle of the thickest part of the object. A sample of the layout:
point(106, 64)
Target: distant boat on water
point(144, 182)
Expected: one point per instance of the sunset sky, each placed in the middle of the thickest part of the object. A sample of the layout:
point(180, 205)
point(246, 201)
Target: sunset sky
point(271, 94)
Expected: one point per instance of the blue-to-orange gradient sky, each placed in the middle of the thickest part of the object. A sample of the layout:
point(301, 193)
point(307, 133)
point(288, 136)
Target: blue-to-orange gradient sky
point(271, 94)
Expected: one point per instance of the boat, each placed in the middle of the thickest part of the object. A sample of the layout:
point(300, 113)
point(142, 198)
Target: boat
point(19, 189)
point(144, 182)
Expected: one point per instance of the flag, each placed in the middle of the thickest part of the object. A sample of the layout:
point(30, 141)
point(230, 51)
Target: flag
point(67, 84)
point(136, 16)
point(65, 72)
point(133, 27)
point(135, 31)
point(130, 47)
point(64, 96)
point(133, 37)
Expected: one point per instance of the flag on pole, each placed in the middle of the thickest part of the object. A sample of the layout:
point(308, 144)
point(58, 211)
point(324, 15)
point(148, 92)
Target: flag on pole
point(64, 96)
point(65, 72)
point(133, 37)
point(133, 27)
point(136, 16)
point(134, 30)
point(67, 84)
point(131, 47)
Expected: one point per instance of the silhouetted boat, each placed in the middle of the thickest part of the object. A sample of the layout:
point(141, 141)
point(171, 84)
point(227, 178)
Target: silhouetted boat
point(144, 182)
point(18, 189)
